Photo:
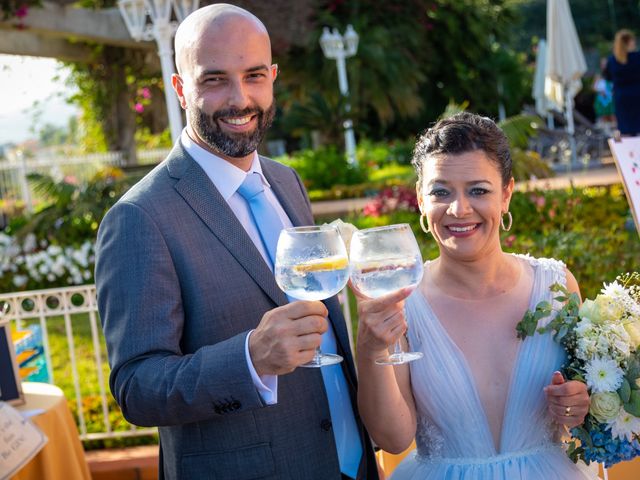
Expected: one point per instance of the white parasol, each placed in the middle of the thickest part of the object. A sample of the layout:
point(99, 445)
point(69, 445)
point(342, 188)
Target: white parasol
point(565, 62)
point(543, 104)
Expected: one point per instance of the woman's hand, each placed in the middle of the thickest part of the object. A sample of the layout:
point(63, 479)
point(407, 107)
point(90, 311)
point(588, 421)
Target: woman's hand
point(568, 402)
point(381, 321)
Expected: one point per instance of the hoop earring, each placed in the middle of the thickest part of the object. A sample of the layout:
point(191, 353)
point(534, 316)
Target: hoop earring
point(424, 229)
point(510, 218)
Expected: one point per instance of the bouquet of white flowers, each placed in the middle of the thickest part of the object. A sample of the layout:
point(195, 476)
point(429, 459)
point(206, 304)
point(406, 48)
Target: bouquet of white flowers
point(602, 341)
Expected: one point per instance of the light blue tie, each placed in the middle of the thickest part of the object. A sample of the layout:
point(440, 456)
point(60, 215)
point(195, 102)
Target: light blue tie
point(343, 421)
point(264, 215)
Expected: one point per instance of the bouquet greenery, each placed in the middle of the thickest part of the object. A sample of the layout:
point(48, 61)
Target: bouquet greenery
point(602, 341)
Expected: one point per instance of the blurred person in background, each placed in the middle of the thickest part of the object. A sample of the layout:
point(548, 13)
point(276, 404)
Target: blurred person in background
point(623, 69)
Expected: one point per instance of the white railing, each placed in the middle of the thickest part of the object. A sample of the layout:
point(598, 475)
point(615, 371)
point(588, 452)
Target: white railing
point(72, 305)
point(78, 305)
point(13, 173)
point(146, 157)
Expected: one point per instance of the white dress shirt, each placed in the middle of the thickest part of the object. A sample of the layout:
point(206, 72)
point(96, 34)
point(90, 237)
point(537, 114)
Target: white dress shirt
point(227, 178)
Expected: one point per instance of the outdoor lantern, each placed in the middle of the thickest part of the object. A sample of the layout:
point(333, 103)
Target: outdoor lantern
point(351, 41)
point(161, 28)
point(184, 7)
point(338, 48)
point(134, 13)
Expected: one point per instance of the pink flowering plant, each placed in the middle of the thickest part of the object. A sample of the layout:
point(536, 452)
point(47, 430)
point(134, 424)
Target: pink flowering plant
point(602, 340)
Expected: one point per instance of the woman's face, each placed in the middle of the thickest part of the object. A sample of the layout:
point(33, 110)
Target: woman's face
point(463, 199)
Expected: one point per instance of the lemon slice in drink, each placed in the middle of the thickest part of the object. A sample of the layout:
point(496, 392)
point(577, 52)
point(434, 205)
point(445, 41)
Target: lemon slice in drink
point(322, 265)
point(386, 264)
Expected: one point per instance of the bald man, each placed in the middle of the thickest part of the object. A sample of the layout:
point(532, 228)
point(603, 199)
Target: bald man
point(201, 340)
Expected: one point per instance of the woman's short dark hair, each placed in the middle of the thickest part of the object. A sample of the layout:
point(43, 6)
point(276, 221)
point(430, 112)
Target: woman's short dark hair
point(464, 132)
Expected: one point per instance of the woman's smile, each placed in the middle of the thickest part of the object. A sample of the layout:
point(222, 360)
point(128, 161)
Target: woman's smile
point(461, 230)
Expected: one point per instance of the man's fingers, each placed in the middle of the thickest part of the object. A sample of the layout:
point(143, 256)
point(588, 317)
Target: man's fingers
point(309, 325)
point(308, 342)
point(303, 308)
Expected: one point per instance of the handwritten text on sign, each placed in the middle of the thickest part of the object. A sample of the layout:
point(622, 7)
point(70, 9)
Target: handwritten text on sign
point(20, 441)
point(626, 153)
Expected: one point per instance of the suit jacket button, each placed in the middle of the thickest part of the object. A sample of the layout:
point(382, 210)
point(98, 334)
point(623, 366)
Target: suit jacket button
point(236, 405)
point(325, 425)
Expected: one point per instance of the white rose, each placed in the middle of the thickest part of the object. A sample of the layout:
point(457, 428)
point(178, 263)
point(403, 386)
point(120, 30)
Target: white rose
point(605, 406)
point(633, 329)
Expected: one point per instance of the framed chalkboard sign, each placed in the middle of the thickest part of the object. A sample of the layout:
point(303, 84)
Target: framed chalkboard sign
point(10, 385)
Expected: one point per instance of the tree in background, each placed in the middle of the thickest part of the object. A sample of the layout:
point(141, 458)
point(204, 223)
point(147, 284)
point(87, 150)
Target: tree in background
point(414, 57)
point(596, 21)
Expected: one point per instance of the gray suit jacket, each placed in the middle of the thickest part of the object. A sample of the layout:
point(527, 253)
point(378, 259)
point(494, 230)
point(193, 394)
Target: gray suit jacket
point(180, 284)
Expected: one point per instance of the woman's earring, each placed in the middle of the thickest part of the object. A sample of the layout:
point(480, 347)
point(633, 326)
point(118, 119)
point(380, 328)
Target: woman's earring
point(506, 228)
point(422, 217)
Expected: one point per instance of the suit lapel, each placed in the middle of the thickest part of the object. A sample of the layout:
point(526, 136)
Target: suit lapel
point(281, 186)
point(202, 196)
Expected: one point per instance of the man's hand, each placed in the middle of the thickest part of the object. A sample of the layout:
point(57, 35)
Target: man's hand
point(287, 337)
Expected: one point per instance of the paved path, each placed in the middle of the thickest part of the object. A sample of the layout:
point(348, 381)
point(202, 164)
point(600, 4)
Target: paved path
point(606, 175)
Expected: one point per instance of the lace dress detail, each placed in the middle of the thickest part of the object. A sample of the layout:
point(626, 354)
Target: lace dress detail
point(429, 439)
point(453, 438)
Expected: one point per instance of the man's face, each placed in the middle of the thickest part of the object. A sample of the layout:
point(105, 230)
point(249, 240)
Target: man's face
point(226, 87)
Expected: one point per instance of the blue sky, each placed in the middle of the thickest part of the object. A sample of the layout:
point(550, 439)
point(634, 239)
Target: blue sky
point(23, 82)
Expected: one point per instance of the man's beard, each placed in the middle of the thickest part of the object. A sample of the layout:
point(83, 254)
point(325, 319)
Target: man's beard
point(234, 145)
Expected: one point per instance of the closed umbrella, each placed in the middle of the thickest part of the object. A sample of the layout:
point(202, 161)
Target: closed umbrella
point(565, 62)
point(543, 104)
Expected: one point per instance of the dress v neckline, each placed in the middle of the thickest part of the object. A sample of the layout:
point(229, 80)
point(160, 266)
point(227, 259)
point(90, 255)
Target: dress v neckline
point(466, 369)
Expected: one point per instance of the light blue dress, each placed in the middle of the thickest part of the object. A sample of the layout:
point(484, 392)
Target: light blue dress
point(453, 439)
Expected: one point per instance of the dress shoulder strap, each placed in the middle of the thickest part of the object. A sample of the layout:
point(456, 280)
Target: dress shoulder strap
point(547, 271)
point(551, 270)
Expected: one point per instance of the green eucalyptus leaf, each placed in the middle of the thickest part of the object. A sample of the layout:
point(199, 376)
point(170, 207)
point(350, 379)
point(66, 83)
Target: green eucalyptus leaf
point(633, 406)
point(556, 287)
point(633, 371)
point(625, 391)
point(583, 436)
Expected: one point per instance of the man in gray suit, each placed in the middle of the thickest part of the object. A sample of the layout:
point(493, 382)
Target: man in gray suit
point(201, 340)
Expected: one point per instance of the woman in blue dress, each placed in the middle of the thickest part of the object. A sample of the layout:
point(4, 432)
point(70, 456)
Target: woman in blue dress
point(481, 404)
point(623, 69)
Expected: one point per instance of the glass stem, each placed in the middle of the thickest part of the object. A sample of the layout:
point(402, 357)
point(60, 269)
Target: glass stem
point(316, 357)
point(397, 347)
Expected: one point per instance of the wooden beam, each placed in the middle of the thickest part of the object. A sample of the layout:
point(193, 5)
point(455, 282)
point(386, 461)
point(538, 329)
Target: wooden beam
point(20, 42)
point(60, 21)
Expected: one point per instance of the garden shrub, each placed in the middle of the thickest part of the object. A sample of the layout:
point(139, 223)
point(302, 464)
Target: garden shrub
point(324, 168)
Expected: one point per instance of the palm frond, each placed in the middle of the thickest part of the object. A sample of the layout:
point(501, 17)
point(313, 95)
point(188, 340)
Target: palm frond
point(453, 108)
point(520, 128)
point(45, 185)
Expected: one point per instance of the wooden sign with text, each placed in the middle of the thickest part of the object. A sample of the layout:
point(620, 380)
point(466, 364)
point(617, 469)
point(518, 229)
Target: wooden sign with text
point(20, 441)
point(626, 153)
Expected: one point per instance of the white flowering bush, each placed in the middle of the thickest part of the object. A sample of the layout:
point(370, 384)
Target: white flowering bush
point(30, 264)
point(602, 341)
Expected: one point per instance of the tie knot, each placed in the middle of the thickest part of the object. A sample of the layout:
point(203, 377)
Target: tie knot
point(251, 186)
